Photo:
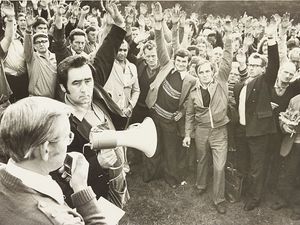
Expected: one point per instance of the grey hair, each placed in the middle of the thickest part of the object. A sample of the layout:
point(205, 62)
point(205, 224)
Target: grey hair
point(28, 123)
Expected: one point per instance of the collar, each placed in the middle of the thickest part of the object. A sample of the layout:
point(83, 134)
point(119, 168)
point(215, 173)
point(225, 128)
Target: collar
point(82, 53)
point(199, 84)
point(50, 56)
point(78, 112)
point(43, 184)
point(280, 86)
point(126, 62)
point(182, 74)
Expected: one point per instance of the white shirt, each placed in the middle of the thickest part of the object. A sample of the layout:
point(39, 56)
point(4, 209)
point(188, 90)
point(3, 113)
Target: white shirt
point(242, 105)
point(43, 184)
point(81, 54)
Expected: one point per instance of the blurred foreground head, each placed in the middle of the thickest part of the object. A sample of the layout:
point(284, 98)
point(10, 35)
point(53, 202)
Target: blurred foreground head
point(36, 129)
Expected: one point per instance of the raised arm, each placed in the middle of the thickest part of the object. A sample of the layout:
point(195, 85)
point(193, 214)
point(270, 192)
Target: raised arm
point(226, 61)
point(60, 45)
point(162, 52)
point(8, 10)
point(28, 45)
point(285, 24)
point(175, 27)
point(273, 56)
point(107, 52)
point(84, 11)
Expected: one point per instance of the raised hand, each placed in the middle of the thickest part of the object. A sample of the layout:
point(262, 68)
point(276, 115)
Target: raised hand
point(248, 40)
point(44, 3)
point(30, 19)
point(271, 28)
point(143, 9)
point(34, 2)
point(175, 15)
point(182, 18)
point(285, 23)
point(142, 36)
point(129, 19)
point(8, 9)
point(157, 12)
point(241, 57)
point(23, 3)
point(61, 10)
point(167, 14)
point(227, 26)
point(85, 10)
point(263, 21)
point(141, 21)
point(114, 12)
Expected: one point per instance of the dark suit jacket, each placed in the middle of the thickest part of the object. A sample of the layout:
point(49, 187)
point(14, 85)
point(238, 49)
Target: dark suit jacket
point(259, 115)
point(103, 62)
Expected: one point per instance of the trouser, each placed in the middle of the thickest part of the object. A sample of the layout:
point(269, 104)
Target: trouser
point(286, 183)
point(186, 159)
point(164, 161)
point(251, 155)
point(273, 161)
point(216, 140)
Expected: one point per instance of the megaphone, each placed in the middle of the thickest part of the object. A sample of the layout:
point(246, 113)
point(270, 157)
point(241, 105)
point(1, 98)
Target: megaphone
point(141, 136)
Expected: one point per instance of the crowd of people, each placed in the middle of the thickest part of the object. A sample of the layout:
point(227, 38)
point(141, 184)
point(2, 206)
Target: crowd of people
point(214, 87)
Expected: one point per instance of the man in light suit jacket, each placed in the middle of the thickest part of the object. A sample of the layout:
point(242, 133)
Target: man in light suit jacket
point(166, 98)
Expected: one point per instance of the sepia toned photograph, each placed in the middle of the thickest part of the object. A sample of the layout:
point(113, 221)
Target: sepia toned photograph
point(149, 112)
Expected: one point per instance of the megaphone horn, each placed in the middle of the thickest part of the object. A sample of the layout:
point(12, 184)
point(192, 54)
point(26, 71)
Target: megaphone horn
point(141, 136)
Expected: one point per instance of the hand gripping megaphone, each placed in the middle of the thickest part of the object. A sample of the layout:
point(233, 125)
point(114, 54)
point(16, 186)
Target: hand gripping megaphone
point(141, 136)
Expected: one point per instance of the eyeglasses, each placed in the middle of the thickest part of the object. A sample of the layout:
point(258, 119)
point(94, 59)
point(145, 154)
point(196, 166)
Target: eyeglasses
point(254, 65)
point(69, 138)
point(41, 42)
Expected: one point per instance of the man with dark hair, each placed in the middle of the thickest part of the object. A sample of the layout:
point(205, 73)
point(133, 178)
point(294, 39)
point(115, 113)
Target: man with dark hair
point(194, 50)
point(77, 39)
point(206, 114)
point(166, 98)
point(91, 44)
point(82, 84)
point(40, 26)
point(21, 25)
point(256, 122)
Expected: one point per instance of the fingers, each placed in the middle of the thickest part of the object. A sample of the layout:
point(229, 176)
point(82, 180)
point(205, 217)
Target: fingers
point(107, 158)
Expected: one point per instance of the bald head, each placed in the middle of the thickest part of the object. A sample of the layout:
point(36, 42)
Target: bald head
point(286, 72)
point(294, 57)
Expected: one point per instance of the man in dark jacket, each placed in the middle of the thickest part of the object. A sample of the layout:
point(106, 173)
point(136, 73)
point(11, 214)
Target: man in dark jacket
point(256, 119)
point(82, 84)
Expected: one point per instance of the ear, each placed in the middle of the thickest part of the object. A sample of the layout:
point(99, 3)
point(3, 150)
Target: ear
point(44, 151)
point(62, 88)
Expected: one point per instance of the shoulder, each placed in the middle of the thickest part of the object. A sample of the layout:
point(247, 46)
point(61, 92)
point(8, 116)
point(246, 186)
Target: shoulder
point(295, 100)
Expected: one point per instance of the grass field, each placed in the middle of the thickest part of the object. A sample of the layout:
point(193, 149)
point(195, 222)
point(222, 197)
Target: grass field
point(155, 203)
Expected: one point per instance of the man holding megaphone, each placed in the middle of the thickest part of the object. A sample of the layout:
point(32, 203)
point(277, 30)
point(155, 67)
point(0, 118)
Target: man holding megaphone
point(82, 84)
